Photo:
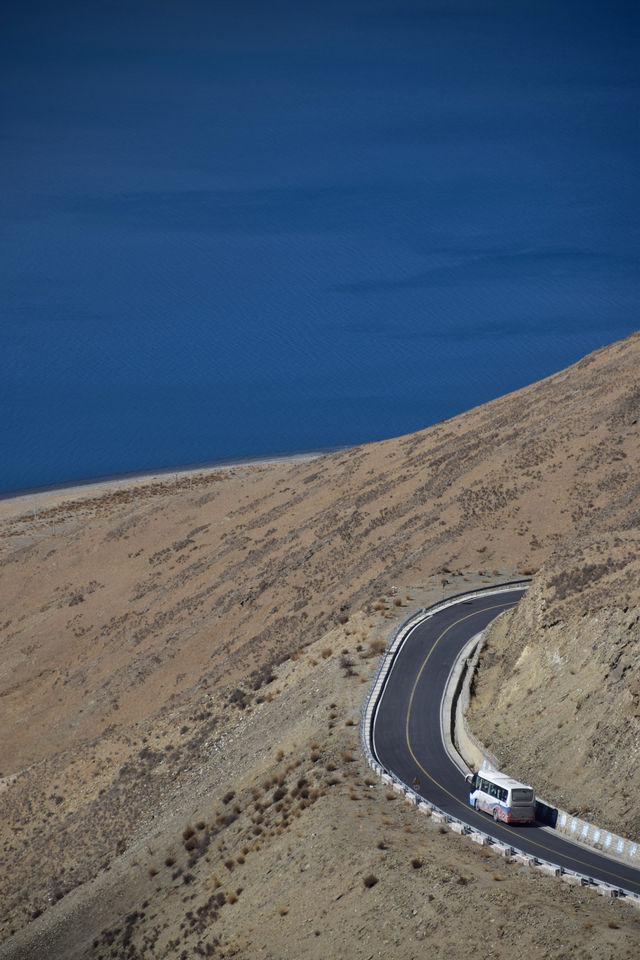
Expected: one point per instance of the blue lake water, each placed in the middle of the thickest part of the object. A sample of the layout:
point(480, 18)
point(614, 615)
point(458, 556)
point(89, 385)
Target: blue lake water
point(230, 230)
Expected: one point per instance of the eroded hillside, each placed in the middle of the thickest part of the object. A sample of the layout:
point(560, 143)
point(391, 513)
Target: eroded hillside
point(140, 622)
point(558, 688)
point(116, 603)
point(281, 843)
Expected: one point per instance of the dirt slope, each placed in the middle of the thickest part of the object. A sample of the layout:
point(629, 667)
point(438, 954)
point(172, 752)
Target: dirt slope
point(558, 690)
point(141, 623)
point(281, 844)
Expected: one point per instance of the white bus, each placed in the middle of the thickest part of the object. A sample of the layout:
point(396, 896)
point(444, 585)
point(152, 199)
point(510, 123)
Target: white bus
point(501, 797)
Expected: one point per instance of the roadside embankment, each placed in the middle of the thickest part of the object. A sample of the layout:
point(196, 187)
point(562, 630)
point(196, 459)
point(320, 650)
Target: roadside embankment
point(556, 696)
point(477, 756)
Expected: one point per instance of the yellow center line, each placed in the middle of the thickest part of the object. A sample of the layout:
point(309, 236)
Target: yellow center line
point(502, 830)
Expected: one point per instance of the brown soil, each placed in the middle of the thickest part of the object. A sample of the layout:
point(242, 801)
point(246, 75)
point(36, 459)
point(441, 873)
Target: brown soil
point(151, 646)
point(558, 689)
point(277, 841)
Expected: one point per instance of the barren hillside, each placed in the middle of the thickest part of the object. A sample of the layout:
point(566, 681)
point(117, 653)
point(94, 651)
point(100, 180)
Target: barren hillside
point(145, 627)
point(558, 689)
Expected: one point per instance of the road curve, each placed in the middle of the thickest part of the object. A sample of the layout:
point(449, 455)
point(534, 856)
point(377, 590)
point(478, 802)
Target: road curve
point(406, 738)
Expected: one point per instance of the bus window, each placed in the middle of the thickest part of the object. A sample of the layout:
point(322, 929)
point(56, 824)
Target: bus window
point(522, 796)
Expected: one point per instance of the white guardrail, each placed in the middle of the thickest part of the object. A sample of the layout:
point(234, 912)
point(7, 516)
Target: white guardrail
point(411, 796)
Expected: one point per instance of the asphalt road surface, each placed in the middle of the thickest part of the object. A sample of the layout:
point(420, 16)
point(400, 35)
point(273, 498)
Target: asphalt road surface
point(407, 739)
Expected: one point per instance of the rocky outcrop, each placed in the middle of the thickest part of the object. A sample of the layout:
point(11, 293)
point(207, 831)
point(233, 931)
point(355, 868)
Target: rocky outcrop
point(557, 695)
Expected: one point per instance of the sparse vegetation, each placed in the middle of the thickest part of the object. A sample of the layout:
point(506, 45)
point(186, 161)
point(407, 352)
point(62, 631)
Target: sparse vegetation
point(347, 663)
point(198, 674)
point(376, 648)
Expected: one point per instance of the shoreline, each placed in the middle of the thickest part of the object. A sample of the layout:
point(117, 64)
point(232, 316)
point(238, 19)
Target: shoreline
point(95, 485)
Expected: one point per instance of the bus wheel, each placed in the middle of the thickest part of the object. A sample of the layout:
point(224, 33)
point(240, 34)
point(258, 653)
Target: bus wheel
point(496, 815)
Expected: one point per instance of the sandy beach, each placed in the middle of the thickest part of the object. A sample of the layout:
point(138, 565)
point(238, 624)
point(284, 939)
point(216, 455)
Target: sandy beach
point(12, 504)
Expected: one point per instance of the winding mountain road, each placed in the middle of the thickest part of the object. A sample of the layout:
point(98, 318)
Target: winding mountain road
point(407, 738)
